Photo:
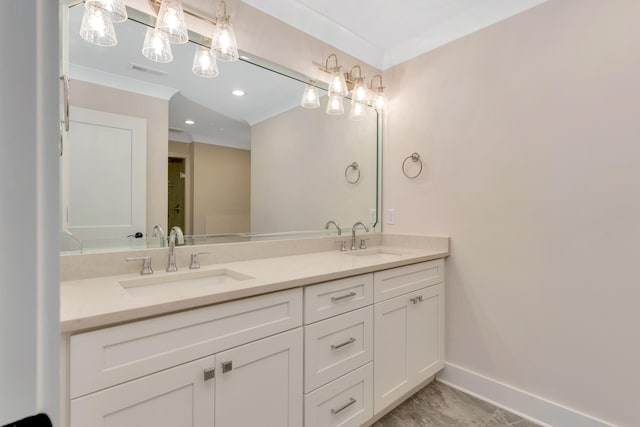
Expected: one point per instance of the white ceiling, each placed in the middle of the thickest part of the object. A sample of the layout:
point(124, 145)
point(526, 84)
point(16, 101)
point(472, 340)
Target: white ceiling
point(384, 33)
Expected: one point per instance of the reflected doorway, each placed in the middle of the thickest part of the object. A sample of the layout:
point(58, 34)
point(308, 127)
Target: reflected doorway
point(177, 174)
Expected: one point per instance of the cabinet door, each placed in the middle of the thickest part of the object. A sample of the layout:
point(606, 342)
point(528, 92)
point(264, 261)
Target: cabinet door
point(177, 397)
point(391, 351)
point(260, 384)
point(409, 343)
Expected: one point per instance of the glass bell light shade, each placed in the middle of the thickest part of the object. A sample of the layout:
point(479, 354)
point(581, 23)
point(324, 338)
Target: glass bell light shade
point(171, 21)
point(156, 46)
point(380, 101)
point(358, 110)
point(224, 45)
point(335, 105)
point(204, 63)
point(310, 97)
point(97, 27)
point(116, 9)
point(360, 91)
point(338, 84)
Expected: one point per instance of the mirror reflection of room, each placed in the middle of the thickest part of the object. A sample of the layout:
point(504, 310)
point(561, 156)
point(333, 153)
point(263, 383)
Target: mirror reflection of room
point(222, 156)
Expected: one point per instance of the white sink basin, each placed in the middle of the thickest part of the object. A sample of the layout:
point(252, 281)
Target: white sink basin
point(181, 283)
point(376, 252)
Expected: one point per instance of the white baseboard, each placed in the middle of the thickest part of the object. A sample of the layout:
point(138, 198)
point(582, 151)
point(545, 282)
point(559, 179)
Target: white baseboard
point(519, 402)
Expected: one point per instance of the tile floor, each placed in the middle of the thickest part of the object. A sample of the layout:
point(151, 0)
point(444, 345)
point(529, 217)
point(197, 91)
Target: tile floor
point(438, 405)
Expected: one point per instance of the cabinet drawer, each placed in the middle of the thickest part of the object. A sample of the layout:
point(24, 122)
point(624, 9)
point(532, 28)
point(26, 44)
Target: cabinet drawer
point(111, 356)
point(345, 402)
point(398, 281)
point(336, 297)
point(336, 346)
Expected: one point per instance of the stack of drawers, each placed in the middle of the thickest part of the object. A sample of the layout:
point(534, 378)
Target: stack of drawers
point(338, 347)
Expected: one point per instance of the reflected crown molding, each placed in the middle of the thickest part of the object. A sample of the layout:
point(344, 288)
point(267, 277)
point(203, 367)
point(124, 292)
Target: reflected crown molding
point(102, 78)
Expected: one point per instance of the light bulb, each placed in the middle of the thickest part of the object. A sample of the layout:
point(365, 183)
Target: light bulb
point(380, 102)
point(310, 97)
point(360, 91)
point(156, 46)
point(171, 21)
point(335, 105)
point(97, 27)
point(204, 63)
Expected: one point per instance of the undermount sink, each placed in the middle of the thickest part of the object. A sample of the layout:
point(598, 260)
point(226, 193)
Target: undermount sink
point(179, 283)
point(376, 251)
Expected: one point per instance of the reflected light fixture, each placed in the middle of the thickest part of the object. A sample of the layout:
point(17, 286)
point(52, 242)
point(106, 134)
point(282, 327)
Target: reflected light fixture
point(156, 46)
point(204, 63)
point(337, 83)
point(97, 27)
point(379, 101)
point(335, 105)
point(310, 96)
point(116, 9)
point(358, 110)
point(189, 122)
point(171, 21)
point(223, 44)
point(238, 92)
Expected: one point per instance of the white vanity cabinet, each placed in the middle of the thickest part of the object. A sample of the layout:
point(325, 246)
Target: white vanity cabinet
point(409, 329)
point(237, 363)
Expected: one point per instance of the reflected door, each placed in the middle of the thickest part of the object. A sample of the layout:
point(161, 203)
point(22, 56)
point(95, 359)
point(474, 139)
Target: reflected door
point(104, 175)
point(176, 192)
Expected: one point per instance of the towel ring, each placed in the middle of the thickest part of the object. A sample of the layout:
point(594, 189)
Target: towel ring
point(415, 157)
point(354, 168)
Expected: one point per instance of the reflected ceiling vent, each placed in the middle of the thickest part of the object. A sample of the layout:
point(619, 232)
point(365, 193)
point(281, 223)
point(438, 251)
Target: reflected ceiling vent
point(148, 70)
point(176, 130)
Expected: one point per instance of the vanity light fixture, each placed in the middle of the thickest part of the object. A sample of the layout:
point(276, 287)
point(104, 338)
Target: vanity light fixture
point(116, 9)
point(337, 83)
point(97, 26)
point(359, 95)
point(171, 21)
point(379, 101)
point(310, 96)
point(204, 63)
point(156, 46)
point(223, 44)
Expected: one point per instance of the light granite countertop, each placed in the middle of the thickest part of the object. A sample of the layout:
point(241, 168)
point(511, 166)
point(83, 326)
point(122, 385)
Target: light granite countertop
point(102, 301)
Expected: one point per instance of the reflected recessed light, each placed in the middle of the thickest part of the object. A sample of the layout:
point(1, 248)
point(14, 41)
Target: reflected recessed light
point(190, 122)
point(238, 92)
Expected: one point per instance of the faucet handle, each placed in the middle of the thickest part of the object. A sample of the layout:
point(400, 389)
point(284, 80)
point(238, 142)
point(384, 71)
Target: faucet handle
point(363, 243)
point(342, 244)
point(146, 264)
point(195, 262)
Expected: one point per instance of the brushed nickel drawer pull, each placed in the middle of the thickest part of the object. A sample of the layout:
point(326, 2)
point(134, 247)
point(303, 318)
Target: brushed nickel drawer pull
point(349, 341)
point(343, 407)
point(209, 374)
point(340, 298)
point(227, 366)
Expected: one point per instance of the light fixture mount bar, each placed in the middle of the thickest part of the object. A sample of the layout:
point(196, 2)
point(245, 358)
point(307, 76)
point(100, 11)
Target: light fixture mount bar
point(155, 5)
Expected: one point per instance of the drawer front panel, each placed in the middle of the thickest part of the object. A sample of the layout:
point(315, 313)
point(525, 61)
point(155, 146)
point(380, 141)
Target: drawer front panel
point(111, 356)
point(345, 402)
point(336, 297)
point(398, 281)
point(336, 346)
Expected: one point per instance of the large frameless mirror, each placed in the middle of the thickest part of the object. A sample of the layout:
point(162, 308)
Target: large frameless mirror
point(229, 158)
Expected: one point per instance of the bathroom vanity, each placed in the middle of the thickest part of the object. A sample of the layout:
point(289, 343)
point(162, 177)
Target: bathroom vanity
point(318, 339)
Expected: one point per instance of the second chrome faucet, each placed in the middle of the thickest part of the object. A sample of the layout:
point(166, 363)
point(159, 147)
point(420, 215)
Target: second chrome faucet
point(175, 237)
point(353, 235)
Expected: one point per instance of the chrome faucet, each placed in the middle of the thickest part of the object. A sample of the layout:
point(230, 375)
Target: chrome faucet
point(353, 233)
point(176, 232)
point(158, 231)
point(326, 226)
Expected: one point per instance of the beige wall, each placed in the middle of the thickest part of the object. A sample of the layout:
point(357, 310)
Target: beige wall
point(298, 161)
point(221, 182)
point(156, 112)
point(530, 131)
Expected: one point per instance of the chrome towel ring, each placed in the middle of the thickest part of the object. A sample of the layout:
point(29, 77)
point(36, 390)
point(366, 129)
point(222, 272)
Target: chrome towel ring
point(352, 173)
point(415, 157)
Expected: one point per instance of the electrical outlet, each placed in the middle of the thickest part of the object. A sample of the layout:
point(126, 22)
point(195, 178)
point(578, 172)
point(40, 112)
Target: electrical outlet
point(372, 216)
point(390, 216)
